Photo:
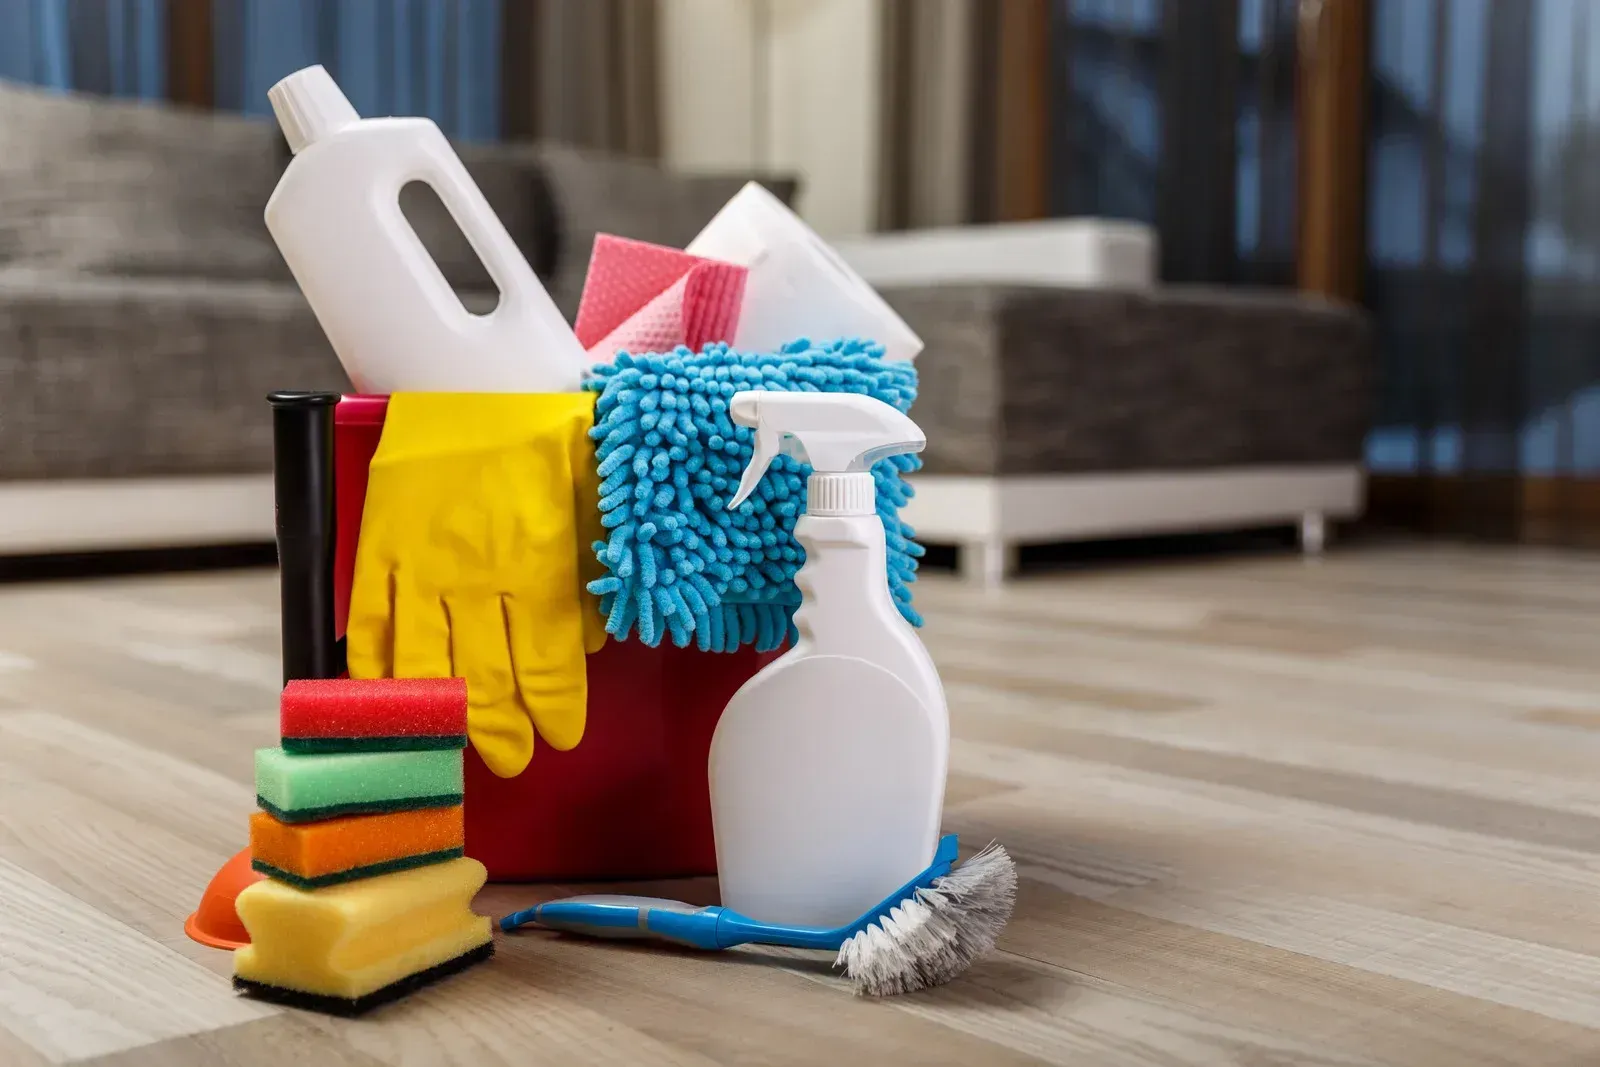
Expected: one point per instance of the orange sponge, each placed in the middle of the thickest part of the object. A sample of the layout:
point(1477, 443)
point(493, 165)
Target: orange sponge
point(315, 854)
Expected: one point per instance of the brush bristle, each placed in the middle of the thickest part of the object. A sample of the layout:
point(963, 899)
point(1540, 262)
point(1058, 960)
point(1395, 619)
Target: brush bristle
point(936, 933)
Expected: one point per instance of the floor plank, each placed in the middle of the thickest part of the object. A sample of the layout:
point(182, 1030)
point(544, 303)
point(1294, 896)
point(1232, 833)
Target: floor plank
point(1330, 1006)
point(77, 983)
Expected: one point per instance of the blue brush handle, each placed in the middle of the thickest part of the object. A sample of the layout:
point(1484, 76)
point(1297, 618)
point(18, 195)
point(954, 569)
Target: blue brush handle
point(624, 917)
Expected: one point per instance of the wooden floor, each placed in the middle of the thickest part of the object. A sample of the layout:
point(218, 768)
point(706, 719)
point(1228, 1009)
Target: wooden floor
point(1267, 812)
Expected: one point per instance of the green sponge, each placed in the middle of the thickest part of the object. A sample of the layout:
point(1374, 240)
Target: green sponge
point(299, 788)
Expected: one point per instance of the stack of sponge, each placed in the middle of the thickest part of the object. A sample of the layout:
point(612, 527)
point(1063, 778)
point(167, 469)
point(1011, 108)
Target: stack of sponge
point(368, 892)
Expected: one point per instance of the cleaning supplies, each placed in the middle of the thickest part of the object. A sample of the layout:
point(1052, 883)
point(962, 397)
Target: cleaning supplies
point(640, 297)
point(392, 318)
point(301, 788)
point(314, 854)
point(677, 561)
point(356, 910)
point(798, 286)
point(923, 934)
point(468, 562)
point(376, 714)
point(348, 948)
point(828, 767)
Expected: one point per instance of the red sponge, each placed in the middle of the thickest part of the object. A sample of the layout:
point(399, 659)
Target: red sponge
point(373, 714)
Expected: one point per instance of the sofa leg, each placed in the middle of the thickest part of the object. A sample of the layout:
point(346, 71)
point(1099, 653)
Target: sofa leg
point(1313, 533)
point(988, 562)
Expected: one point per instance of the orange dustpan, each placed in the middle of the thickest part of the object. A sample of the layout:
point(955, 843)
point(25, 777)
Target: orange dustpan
point(215, 922)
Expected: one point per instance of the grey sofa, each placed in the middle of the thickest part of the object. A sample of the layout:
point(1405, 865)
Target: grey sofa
point(144, 314)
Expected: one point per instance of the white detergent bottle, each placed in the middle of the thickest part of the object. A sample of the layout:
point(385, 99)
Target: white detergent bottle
point(828, 767)
point(392, 318)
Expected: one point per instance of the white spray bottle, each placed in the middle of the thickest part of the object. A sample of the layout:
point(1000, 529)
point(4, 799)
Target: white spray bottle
point(393, 320)
point(828, 767)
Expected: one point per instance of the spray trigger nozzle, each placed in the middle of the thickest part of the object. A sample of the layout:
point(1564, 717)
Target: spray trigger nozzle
point(833, 432)
point(766, 448)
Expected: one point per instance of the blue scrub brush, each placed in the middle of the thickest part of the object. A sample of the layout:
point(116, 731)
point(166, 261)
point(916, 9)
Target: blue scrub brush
point(924, 934)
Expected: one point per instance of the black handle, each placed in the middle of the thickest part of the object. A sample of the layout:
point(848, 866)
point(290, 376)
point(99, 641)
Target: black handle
point(302, 483)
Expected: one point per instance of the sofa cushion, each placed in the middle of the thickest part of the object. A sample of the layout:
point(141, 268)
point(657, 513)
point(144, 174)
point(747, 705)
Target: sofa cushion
point(593, 193)
point(120, 377)
point(1019, 380)
point(111, 187)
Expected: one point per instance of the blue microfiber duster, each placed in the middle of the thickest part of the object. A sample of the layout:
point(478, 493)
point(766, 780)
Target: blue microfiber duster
point(678, 561)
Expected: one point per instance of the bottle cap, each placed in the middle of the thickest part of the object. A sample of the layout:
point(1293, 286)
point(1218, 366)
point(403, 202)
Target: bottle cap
point(310, 106)
point(851, 493)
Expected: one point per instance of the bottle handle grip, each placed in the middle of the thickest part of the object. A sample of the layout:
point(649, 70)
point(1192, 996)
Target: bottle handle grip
point(445, 174)
point(532, 339)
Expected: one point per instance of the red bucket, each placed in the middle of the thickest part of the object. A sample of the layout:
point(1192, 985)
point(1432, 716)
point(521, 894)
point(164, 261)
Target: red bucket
point(632, 799)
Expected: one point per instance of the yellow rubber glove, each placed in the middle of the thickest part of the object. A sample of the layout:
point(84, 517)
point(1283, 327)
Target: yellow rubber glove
point(480, 508)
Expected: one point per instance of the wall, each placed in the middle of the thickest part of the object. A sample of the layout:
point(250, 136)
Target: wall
point(743, 85)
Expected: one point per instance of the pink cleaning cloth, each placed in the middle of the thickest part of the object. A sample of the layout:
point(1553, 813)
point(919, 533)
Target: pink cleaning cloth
point(642, 297)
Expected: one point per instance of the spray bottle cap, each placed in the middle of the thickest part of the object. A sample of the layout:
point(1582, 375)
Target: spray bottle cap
point(310, 106)
point(837, 433)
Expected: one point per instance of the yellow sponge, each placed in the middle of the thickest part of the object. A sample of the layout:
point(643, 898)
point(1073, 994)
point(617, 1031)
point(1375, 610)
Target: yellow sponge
point(350, 947)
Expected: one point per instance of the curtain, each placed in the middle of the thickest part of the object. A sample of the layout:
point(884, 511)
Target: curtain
point(1266, 141)
point(930, 69)
point(1175, 113)
point(1180, 114)
point(1484, 260)
point(964, 112)
point(112, 47)
point(584, 72)
point(1109, 115)
point(436, 58)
